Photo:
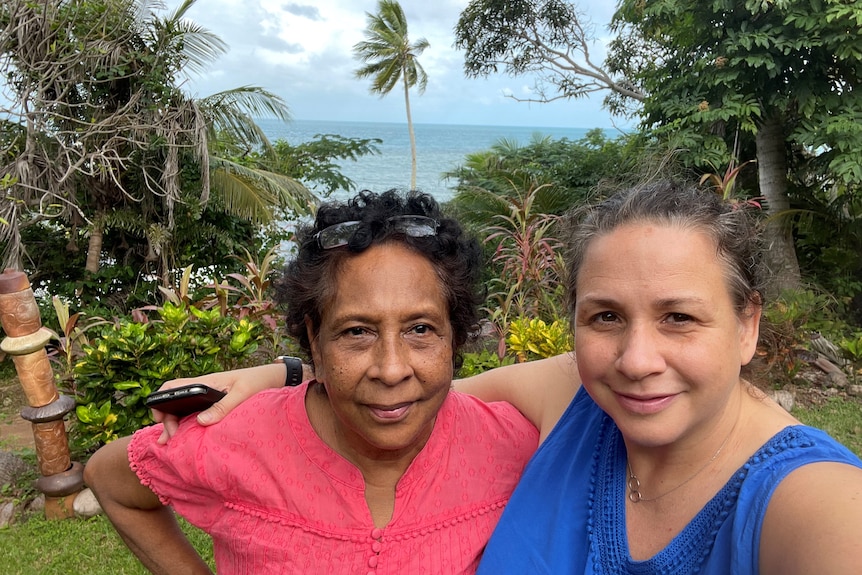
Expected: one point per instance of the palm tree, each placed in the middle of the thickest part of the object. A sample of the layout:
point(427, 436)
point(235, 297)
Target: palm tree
point(389, 57)
point(109, 128)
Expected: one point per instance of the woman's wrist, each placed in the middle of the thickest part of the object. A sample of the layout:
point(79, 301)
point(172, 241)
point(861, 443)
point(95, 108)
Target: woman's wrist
point(293, 367)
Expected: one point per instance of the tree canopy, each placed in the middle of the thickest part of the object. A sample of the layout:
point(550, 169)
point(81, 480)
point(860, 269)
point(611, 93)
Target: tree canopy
point(100, 136)
point(724, 81)
point(786, 72)
point(549, 39)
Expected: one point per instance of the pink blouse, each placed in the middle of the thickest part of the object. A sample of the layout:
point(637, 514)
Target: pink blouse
point(277, 499)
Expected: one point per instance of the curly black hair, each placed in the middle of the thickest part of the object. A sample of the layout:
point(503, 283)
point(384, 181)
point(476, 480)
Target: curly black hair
point(310, 279)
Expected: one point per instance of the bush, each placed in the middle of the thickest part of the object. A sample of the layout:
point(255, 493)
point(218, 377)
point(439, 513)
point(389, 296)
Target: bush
point(128, 360)
point(478, 362)
point(533, 339)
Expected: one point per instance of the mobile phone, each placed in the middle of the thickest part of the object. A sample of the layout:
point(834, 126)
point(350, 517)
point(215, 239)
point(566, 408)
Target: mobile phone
point(185, 400)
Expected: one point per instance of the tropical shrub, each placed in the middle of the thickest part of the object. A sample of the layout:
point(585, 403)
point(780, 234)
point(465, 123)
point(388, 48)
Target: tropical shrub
point(128, 360)
point(481, 361)
point(796, 321)
point(66, 345)
point(527, 264)
point(852, 347)
point(531, 339)
point(797, 313)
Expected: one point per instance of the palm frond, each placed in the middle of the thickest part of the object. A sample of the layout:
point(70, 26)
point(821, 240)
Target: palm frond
point(254, 194)
point(387, 53)
point(233, 112)
point(198, 46)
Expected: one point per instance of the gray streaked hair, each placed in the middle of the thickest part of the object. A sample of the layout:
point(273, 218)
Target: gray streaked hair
point(732, 228)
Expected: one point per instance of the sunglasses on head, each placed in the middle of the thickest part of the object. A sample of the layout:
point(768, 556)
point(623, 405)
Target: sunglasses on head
point(338, 235)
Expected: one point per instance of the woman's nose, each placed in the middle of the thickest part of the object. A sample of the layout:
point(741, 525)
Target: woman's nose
point(392, 364)
point(640, 353)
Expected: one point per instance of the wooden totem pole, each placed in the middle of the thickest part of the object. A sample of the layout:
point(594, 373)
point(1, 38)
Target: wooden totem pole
point(62, 479)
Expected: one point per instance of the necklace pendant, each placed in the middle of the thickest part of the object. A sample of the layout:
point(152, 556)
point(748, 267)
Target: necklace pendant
point(634, 488)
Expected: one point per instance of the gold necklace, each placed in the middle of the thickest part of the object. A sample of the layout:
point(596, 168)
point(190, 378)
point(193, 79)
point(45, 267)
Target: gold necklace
point(634, 485)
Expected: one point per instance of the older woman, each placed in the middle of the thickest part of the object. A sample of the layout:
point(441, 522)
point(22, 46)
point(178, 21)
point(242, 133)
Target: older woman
point(374, 466)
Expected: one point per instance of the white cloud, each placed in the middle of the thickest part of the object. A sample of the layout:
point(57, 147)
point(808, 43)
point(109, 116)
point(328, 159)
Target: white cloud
point(302, 50)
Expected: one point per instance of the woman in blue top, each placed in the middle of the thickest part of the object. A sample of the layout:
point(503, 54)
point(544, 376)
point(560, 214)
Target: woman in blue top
point(667, 461)
point(657, 457)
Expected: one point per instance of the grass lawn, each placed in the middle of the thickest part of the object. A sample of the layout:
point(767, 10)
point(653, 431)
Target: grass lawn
point(91, 546)
point(840, 418)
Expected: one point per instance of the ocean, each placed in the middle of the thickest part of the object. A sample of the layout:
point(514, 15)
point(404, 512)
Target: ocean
point(439, 148)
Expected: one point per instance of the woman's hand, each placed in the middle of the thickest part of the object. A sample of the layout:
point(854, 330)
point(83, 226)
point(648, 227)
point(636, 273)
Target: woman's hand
point(240, 384)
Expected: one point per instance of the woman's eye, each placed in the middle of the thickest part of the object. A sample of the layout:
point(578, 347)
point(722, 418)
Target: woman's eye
point(421, 329)
point(679, 318)
point(355, 331)
point(606, 317)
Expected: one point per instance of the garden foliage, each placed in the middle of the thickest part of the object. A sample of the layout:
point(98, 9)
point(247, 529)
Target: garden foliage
point(128, 360)
point(531, 339)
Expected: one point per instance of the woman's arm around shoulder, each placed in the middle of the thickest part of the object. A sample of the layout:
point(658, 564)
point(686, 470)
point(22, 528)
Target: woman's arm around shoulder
point(240, 384)
point(541, 389)
point(814, 522)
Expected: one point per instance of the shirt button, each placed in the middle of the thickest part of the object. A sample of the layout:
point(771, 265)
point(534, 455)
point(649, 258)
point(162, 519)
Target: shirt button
point(372, 562)
point(377, 533)
point(376, 546)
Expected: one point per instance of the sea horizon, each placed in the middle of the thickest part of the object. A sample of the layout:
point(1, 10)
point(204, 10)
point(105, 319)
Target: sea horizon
point(404, 123)
point(440, 148)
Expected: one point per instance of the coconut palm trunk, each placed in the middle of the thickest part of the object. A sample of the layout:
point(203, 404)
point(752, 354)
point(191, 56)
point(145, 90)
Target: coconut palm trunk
point(412, 136)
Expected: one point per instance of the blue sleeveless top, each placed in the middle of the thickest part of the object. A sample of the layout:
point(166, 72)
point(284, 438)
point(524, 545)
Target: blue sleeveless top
point(567, 515)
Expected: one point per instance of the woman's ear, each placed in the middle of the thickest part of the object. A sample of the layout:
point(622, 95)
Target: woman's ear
point(749, 331)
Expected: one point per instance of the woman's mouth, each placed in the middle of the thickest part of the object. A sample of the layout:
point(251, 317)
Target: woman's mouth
point(645, 405)
point(390, 414)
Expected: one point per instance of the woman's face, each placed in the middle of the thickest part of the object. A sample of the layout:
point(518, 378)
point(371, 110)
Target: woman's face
point(658, 340)
point(384, 352)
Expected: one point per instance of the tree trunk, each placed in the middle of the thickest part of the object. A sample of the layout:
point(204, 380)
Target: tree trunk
point(412, 135)
point(94, 248)
point(780, 251)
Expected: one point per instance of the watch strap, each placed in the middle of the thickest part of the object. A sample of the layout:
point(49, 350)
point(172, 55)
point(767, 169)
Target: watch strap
point(293, 376)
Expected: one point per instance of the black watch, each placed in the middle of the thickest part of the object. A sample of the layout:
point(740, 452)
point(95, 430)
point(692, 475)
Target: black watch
point(294, 370)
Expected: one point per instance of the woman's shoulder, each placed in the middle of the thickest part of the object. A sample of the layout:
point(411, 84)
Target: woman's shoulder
point(265, 412)
point(814, 517)
point(540, 389)
point(473, 414)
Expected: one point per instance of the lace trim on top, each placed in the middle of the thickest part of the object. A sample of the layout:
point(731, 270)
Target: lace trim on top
point(688, 550)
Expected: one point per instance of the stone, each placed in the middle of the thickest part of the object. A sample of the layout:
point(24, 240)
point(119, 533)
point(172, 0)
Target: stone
point(855, 390)
point(11, 467)
point(7, 514)
point(37, 505)
point(783, 398)
point(86, 504)
point(837, 377)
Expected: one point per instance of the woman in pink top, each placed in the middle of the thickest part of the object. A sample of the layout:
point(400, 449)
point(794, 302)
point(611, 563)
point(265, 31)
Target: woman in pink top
point(372, 467)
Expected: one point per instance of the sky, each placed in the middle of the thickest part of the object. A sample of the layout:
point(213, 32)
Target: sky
point(302, 51)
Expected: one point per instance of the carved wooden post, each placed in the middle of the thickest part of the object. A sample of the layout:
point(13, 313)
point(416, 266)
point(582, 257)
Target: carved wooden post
point(62, 478)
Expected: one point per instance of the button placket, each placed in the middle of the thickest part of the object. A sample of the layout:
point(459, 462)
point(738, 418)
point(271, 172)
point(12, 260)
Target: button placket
point(376, 546)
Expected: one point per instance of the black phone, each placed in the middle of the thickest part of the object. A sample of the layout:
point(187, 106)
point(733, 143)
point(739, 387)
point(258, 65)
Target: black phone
point(185, 400)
